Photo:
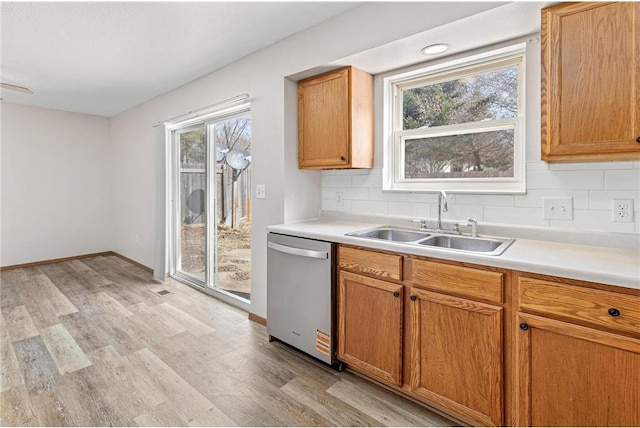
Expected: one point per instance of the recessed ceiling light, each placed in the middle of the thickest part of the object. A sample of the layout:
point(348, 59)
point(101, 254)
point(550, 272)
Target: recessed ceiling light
point(435, 49)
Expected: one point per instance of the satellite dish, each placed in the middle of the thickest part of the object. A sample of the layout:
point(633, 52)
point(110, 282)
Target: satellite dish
point(239, 159)
point(195, 203)
point(221, 151)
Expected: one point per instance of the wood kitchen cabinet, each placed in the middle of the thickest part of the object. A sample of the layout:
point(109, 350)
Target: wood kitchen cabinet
point(455, 343)
point(456, 355)
point(490, 346)
point(450, 353)
point(335, 120)
point(370, 314)
point(591, 82)
point(578, 355)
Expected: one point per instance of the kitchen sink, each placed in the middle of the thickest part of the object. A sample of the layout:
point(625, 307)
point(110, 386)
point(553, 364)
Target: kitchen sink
point(391, 234)
point(483, 245)
point(492, 246)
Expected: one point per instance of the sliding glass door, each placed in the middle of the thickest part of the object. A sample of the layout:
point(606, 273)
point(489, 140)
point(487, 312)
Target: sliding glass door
point(211, 205)
point(191, 203)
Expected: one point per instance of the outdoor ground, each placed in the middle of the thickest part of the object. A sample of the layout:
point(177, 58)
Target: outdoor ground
point(234, 255)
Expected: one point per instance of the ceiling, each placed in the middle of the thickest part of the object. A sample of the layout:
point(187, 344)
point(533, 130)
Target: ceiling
point(102, 58)
point(495, 25)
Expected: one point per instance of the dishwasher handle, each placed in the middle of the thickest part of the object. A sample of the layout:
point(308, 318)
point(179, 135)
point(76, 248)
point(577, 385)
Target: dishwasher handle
point(298, 251)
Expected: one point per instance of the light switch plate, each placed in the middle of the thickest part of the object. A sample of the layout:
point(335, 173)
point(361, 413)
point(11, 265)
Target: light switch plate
point(557, 208)
point(261, 191)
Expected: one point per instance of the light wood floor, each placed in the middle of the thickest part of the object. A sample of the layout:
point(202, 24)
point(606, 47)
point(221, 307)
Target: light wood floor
point(88, 343)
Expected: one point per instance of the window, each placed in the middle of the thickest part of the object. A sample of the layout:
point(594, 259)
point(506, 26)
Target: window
point(458, 126)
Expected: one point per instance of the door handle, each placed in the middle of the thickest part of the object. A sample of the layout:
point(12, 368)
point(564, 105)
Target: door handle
point(298, 251)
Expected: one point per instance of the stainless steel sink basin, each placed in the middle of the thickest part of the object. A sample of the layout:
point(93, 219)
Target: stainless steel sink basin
point(483, 245)
point(492, 246)
point(391, 234)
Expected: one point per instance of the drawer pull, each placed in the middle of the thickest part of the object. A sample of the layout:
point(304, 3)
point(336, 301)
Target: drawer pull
point(396, 294)
point(524, 326)
point(413, 298)
point(614, 312)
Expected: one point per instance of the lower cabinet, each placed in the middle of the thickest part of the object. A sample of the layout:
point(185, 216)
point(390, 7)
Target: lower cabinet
point(456, 355)
point(490, 346)
point(578, 355)
point(570, 375)
point(370, 317)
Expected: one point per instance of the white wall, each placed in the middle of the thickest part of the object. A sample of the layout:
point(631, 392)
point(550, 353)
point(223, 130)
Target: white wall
point(55, 184)
point(291, 194)
point(76, 184)
point(591, 185)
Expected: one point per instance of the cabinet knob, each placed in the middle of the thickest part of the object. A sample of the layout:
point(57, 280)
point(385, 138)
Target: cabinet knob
point(638, 140)
point(614, 312)
point(342, 158)
point(413, 298)
point(396, 294)
point(524, 326)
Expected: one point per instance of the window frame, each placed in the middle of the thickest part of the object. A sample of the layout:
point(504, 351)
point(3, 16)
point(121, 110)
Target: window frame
point(396, 137)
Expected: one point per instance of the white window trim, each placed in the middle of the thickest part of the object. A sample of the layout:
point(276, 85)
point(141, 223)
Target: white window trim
point(216, 115)
point(393, 159)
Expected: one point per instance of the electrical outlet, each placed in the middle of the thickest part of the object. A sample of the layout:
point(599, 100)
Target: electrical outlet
point(622, 210)
point(339, 199)
point(557, 208)
point(261, 191)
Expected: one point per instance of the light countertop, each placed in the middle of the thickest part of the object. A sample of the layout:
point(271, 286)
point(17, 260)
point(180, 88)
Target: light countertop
point(607, 265)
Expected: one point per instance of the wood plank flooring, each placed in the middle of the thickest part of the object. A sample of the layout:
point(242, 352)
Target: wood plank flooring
point(88, 343)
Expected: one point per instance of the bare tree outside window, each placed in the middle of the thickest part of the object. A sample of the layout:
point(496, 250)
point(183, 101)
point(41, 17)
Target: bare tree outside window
point(235, 134)
point(485, 154)
point(486, 96)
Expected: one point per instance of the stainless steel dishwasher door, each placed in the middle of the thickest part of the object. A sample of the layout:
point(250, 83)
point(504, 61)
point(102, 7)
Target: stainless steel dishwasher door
point(299, 294)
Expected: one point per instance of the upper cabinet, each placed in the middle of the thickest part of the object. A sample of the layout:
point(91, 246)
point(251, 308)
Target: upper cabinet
point(591, 82)
point(335, 120)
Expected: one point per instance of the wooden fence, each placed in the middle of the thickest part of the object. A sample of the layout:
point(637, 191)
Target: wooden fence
point(227, 193)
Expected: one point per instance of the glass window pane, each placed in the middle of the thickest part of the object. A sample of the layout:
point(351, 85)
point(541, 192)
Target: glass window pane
point(235, 133)
point(480, 155)
point(193, 152)
point(193, 186)
point(193, 227)
point(233, 209)
point(486, 96)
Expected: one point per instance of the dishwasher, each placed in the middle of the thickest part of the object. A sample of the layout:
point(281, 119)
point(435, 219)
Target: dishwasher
point(300, 295)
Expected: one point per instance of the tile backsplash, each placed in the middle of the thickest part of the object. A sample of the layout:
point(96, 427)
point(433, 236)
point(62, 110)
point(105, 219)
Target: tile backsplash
point(591, 185)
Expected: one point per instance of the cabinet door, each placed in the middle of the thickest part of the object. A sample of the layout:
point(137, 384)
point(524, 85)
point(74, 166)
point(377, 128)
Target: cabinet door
point(324, 121)
point(590, 81)
point(456, 355)
point(370, 326)
point(570, 375)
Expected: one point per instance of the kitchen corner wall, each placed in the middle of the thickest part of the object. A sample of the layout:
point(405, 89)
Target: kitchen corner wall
point(55, 184)
point(591, 185)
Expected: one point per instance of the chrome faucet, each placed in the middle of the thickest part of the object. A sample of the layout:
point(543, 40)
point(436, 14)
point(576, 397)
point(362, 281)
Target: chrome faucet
point(441, 208)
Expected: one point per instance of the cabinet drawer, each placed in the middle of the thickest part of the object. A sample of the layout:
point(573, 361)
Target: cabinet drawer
point(461, 280)
point(370, 262)
point(603, 308)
